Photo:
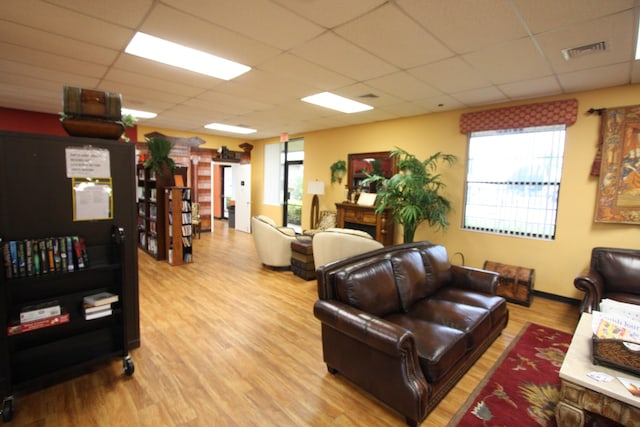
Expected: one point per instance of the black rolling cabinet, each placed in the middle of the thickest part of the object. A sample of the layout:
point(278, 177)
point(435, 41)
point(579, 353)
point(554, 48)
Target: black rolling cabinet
point(37, 200)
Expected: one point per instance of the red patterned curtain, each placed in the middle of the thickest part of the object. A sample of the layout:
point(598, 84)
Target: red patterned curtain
point(521, 116)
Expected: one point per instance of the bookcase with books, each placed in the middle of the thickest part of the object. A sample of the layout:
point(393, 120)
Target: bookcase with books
point(151, 231)
point(179, 239)
point(68, 277)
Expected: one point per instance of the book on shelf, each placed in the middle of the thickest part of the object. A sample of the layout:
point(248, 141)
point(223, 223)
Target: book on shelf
point(38, 324)
point(87, 309)
point(37, 257)
point(30, 313)
point(98, 314)
point(101, 298)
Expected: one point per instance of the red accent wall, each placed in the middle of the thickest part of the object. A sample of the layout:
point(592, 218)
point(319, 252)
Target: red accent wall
point(42, 123)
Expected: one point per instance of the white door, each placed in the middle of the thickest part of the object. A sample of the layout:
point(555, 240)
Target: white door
point(242, 189)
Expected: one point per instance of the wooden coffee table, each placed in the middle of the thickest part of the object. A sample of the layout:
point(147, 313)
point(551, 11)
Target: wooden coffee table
point(580, 394)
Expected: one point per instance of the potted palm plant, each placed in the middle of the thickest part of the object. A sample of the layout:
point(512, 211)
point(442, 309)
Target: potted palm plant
point(414, 193)
point(159, 161)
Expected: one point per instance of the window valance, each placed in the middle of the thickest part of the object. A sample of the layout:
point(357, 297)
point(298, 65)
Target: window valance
point(521, 116)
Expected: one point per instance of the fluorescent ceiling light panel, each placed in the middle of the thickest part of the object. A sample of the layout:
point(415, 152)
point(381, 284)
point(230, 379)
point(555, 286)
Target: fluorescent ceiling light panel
point(174, 54)
point(229, 128)
point(337, 102)
point(138, 114)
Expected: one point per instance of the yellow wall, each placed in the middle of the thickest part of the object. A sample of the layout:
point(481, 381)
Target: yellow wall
point(556, 262)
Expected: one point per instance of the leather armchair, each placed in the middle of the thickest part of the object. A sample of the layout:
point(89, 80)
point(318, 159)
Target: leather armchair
point(337, 243)
point(272, 243)
point(613, 273)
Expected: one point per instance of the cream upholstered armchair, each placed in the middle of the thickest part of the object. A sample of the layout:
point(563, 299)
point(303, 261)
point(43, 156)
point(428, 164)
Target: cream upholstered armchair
point(337, 243)
point(273, 243)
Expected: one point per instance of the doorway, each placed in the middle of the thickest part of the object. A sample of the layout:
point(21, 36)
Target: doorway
point(294, 172)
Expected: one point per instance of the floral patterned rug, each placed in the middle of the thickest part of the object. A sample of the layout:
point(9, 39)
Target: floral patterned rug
point(523, 387)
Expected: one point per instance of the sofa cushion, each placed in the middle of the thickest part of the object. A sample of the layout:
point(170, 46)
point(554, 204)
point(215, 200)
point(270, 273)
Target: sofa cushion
point(411, 277)
point(475, 322)
point(437, 266)
point(496, 305)
point(439, 347)
point(369, 286)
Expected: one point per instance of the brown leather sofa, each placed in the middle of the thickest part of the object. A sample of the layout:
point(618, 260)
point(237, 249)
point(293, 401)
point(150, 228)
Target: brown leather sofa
point(613, 273)
point(404, 324)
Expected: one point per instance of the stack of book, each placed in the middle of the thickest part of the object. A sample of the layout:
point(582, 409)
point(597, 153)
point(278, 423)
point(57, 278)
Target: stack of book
point(38, 316)
point(98, 305)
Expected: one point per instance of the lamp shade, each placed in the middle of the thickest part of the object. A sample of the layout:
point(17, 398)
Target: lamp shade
point(315, 187)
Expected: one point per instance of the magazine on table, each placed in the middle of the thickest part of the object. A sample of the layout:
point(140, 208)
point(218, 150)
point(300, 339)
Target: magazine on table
point(617, 320)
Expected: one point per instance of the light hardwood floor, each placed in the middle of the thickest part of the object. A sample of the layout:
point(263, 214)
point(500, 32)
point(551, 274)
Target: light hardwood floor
point(227, 342)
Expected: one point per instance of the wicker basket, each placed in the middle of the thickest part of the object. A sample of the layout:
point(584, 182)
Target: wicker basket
point(615, 354)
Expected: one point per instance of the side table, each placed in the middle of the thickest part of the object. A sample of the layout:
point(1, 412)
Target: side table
point(580, 394)
point(302, 259)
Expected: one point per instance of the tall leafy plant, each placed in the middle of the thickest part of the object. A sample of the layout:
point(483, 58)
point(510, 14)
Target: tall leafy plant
point(159, 160)
point(414, 194)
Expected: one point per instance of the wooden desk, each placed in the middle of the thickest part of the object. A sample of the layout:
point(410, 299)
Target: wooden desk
point(380, 226)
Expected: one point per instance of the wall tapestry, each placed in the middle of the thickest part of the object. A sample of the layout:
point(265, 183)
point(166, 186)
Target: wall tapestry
point(619, 187)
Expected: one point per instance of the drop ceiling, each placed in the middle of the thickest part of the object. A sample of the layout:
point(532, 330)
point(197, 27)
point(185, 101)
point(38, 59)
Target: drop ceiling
point(403, 57)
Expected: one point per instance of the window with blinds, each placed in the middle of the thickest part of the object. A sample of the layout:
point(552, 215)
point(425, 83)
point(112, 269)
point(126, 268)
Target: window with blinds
point(513, 181)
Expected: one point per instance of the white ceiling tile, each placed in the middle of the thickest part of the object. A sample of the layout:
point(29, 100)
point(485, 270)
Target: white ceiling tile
point(343, 57)
point(616, 31)
point(65, 22)
point(484, 96)
point(517, 60)
point(49, 61)
point(122, 12)
point(404, 85)
point(545, 86)
point(545, 15)
point(46, 43)
point(182, 28)
point(450, 75)
point(466, 26)
point(608, 76)
point(390, 34)
point(296, 68)
point(330, 13)
point(260, 20)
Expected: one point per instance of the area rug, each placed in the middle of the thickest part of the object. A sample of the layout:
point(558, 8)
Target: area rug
point(523, 387)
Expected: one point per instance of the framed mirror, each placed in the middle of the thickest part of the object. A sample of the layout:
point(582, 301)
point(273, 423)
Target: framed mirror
point(360, 164)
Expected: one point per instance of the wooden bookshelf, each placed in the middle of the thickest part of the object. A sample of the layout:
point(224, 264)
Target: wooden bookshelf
point(179, 239)
point(151, 229)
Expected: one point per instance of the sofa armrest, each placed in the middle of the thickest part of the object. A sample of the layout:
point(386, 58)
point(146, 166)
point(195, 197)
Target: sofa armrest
point(592, 284)
point(475, 279)
point(369, 329)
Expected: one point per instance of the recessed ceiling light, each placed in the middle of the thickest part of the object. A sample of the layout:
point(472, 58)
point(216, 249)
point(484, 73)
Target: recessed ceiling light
point(157, 49)
point(230, 128)
point(138, 114)
point(337, 102)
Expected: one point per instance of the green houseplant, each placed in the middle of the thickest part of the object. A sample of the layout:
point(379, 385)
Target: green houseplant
point(159, 160)
point(338, 170)
point(414, 193)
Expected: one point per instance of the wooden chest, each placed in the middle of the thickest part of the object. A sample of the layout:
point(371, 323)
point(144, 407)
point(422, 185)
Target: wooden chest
point(302, 263)
point(85, 103)
point(515, 283)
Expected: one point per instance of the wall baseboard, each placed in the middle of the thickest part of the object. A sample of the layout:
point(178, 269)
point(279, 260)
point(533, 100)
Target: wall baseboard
point(566, 300)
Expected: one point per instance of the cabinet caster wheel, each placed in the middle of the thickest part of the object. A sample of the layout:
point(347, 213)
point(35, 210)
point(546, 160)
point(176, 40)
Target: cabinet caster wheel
point(128, 366)
point(7, 410)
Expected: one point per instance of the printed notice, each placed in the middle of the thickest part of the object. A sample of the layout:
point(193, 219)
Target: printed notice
point(88, 162)
point(92, 199)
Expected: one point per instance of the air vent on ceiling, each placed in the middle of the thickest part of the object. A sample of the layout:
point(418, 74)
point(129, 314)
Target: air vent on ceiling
point(587, 49)
point(369, 95)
